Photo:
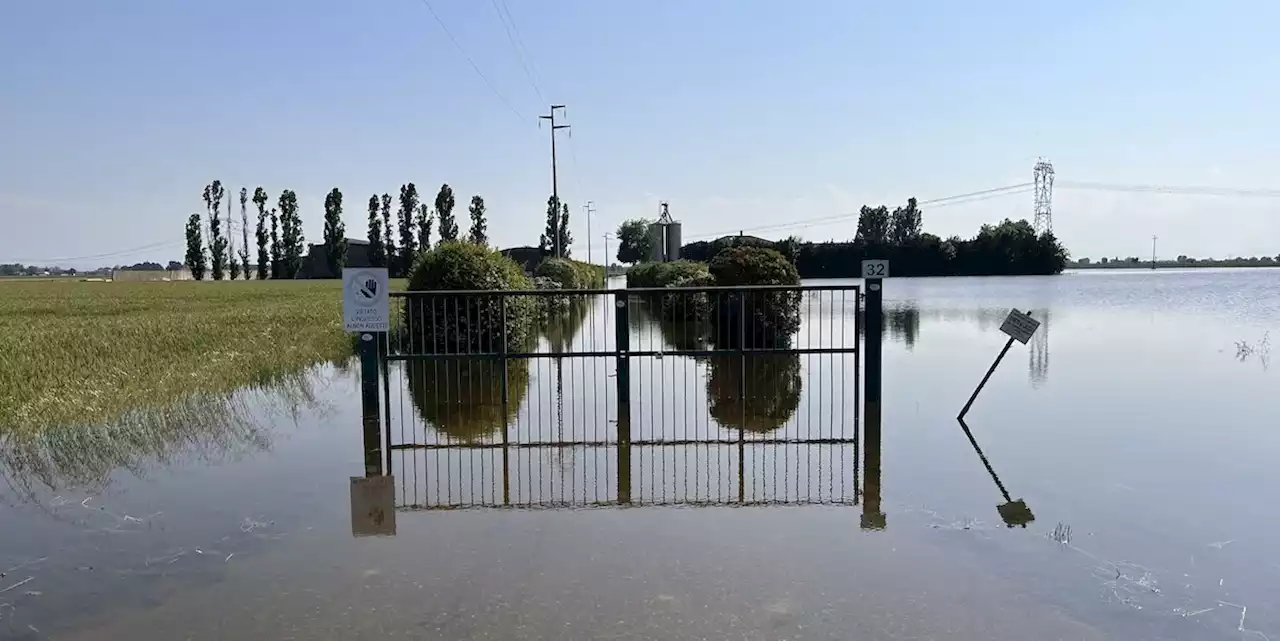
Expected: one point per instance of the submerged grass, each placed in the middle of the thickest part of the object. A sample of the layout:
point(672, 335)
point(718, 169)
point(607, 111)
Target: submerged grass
point(85, 353)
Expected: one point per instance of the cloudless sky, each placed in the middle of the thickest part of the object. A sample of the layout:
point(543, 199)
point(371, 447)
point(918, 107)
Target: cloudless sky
point(742, 114)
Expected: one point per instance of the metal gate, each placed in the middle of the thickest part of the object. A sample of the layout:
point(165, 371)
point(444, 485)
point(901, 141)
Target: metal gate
point(709, 395)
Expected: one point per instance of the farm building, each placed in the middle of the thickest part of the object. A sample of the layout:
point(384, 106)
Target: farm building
point(315, 266)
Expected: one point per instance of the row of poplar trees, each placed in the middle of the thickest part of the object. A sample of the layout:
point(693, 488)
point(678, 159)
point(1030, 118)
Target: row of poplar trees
point(279, 235)
point(280, 240)
point(394, 242)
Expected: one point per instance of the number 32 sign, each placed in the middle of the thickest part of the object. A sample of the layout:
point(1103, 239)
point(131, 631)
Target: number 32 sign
point(875, 269)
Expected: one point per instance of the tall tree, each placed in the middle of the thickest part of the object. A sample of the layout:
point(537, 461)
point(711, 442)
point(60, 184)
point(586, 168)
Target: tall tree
point(389, 234)
point(905, 224)
point(425, 219)
point(291, 236)
point(277, 249)
point(547, 242)
point(213, 194)
point(335, 233)
point(264, 255)
point(634, 242)
point(479, 225)
point(195, 248)
point(377, 250)
point(244, 233)
point(873, 225)
point(566, 239)
point(408, 231)
point(232, 262)
point(444, 209)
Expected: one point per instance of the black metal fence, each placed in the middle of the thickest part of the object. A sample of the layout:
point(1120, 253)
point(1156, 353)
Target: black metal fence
point(630, 396)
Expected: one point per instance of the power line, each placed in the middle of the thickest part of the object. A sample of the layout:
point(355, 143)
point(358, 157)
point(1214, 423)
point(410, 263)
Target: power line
point(1172, 189)
point(525, 63)
point(111, 254)
point(958, 199)
point(470, 61)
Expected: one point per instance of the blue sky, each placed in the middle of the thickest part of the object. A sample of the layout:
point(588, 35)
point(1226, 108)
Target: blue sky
point(742, 114)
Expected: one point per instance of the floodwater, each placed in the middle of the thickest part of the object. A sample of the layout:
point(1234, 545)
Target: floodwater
point(1138, 427)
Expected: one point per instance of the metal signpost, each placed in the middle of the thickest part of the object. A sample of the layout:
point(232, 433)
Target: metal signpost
point(1018, 326)
point(874, 271)
point(366, 310)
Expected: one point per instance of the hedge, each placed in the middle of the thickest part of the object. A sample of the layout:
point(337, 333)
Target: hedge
point(755, 318)
point(468, 323)
point(571, 274)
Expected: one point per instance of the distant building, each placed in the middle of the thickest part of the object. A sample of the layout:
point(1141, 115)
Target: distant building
point(314, 264)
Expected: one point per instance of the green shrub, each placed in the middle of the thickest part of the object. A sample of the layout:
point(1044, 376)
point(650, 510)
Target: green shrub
point(466, 323)
point(755, 318)
point(462, 398)
point(561, 270)
point(664, 274)
point(589, 275)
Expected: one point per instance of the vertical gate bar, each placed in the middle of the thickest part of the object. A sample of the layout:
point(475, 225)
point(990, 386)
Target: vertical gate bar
point(622, 343)
point(506, 427)
point(742, 395)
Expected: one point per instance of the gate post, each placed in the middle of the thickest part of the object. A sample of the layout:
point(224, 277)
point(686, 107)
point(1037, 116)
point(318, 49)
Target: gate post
point(370, 353)
point(874, 271)
point(622, 365)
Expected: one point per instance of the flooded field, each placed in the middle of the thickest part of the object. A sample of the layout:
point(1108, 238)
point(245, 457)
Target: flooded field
point(1137, 428)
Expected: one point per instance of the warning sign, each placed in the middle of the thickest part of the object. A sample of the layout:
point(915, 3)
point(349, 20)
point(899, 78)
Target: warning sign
point(365, 306)
point(1020, 326)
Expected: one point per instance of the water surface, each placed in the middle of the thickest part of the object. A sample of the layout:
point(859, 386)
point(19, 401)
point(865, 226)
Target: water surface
point(1133, 427)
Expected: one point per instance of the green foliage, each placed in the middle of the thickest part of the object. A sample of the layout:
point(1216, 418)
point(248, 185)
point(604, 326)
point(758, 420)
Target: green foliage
point(462, 398)
point(665, 274)
point(757, 393)
point(566, 239)
point(212, 195)
point(425, 220)
point(479, 225)
point(905, 224)
point(634, 243)
point(466, 323)
point(264, 255)
point(389, 238)
point(755, 318)
point(277, 249)
point(873, 226)
point(444, 209)
point(244, 233)
point(195, 259)
point(377, 249)
point(291, 236)
point(408, 229)
point(335, 233)
point(571, 274)
point(547, 241)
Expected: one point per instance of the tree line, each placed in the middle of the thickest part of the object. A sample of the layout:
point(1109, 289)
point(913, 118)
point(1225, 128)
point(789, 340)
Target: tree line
point(280, 239)
point(1007, 248)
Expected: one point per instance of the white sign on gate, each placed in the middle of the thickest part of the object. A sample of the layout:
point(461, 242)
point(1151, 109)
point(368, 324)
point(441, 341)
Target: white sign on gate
point(878, 268)
point(1020, 326)
point(365, 306)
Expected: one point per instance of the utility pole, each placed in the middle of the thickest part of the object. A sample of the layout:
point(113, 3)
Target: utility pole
point(591, 210)
point(1153, 251)
point(606, 255)
point(555, 190)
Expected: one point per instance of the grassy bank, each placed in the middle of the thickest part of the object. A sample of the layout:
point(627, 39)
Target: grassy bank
point(82, 353)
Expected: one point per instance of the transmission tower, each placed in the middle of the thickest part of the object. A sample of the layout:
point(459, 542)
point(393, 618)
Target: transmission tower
point(1043, 220)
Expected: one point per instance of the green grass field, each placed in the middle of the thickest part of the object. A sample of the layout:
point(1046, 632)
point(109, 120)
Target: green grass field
point(84, 352)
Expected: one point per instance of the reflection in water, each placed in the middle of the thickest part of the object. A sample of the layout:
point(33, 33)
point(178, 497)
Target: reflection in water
point(903, 320)
point(757, 393)
point(468, 398)
point(872, 516)
point(210, 427)
point(1011, 511)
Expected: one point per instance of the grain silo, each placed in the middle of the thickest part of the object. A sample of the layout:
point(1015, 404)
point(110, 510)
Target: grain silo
point(665, 237)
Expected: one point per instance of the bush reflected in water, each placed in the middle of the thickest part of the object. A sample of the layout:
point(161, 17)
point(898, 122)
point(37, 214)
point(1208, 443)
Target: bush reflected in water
point(755, 393)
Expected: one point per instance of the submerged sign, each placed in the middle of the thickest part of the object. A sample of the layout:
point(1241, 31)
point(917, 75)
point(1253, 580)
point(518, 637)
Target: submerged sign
point(365, 306)
point(1020, 326)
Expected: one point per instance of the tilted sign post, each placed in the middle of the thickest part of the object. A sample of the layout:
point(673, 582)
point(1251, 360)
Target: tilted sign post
point(366, 310)
point(1019, 326)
